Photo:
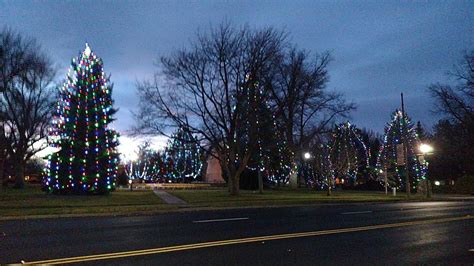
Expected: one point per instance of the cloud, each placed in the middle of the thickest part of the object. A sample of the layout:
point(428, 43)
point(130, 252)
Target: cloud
point(381, 48)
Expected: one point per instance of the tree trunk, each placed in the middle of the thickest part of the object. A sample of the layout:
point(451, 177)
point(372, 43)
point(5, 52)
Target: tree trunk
point(3, 157)
point(19, 174)
point(234, 185)
point(2, 167)
point(260, 182)
point(2, 170)
point(230, 183)
point(293, 175)
point(329, 192)
point(429, 188)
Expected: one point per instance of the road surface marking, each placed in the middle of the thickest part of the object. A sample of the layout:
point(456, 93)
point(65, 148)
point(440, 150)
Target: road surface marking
point(472, 250)
point(221, 220)
point(241, 241)
point(344, 213)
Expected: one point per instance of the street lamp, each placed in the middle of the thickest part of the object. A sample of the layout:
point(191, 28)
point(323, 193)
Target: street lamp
point(307, 155)
point(385, 178)
point(426, 149)
point(304, 168)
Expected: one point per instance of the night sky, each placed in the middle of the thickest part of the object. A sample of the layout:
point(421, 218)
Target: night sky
point(381, 48)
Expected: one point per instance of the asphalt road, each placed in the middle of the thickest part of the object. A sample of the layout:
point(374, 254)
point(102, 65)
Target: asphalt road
point(389, 233)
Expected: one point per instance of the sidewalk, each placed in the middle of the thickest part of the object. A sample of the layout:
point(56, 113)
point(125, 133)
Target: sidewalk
point(168, 198)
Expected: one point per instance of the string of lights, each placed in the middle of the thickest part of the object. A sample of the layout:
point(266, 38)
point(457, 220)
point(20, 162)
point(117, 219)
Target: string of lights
point(86, 161)
point(389, 159)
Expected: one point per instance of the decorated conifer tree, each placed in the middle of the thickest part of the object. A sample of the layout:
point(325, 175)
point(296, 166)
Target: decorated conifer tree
point(142, 167)
point(271, 156)
point(183, 156)
point(390, 159)
point(321, 163)
point(86, 161)
point(348, 153)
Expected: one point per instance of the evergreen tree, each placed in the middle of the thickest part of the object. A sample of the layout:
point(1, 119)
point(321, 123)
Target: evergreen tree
point(389, 156)
point(349, 154)
point(323, 170)
point(158, 170)
point(421, 132)
point(142, 167)
point(87, 161)
point(373, 142)
point(183, 156)
point(271, 155)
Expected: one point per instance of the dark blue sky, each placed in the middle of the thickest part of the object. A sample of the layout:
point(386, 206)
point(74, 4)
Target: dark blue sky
point(380, 47)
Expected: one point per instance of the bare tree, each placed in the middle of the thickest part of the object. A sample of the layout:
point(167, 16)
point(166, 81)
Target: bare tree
point(303, 105)
point(207, 90)
point(3, 152)
point(457, 102)
point(25, 106)
point(454, 137)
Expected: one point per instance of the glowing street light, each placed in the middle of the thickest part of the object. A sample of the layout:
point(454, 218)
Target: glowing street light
point(307, 155)
point(426, 148)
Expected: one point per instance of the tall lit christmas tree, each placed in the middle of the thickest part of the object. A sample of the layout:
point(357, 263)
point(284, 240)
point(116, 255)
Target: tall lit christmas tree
point(86, 161)
point(390, 159)
point(183, 156)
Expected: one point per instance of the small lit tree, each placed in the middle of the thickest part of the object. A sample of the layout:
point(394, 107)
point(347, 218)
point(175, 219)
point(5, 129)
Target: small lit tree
point(142, 167)
point(348, 152)
point(183, 156)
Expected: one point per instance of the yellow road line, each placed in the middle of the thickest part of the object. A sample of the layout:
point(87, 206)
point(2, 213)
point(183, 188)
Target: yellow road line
point(241, 241)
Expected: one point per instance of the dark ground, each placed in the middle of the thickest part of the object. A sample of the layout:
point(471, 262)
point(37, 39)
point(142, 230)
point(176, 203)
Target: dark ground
point(434, 243)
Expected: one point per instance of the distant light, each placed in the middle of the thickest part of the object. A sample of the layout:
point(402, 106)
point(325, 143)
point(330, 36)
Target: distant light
point(425, 148)
point(307, 155)
point(87, 51)
point(130, 181)
point(437, 183)
point(381, 171)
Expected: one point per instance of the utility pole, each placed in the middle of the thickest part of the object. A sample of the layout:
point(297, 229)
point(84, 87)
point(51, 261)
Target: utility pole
point(405, 149)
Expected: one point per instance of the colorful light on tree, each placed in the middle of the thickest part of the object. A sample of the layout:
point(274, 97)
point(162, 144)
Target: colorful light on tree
point(348, 152)
point(390, 159)
point(322, 172)
point(271, 155)
point(183, 156)
point(147, 166)
point(87, 161)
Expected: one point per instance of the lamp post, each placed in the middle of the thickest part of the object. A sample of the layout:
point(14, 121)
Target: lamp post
point(425, 150)
point(385, 179)
point(260, 180)
point(306, 157)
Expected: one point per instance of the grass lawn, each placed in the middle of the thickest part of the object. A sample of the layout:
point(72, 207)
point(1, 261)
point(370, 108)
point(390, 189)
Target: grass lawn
point(220, 198)
point(32, 201)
